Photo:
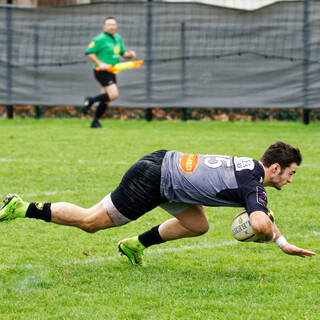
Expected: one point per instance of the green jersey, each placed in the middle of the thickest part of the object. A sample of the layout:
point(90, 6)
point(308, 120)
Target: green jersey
point(107, 48)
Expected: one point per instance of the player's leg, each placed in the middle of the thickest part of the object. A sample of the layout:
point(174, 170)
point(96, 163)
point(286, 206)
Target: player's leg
point(105, 79)
point(113, 93)
point(137, 193)
point(91, 220)
point(190, 222)
point(90, 101)
point(109, 92)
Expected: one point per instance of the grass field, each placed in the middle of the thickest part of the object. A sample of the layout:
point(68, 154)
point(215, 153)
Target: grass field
point(56, 272)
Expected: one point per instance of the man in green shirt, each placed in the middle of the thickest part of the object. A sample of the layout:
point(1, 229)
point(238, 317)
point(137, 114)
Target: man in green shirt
point(105, 51)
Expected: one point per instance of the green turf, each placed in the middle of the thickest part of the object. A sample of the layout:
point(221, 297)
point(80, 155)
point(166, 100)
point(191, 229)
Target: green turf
point(55, 272)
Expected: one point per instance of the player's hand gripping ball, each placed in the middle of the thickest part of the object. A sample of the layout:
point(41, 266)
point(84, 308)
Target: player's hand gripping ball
point(241, 228)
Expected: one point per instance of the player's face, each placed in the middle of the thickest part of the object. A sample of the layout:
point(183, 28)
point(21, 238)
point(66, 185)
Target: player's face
point(283, 176)
point(110, 26)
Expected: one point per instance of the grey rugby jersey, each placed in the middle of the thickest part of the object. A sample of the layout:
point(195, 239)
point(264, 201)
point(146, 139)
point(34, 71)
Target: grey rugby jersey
point(213, 180)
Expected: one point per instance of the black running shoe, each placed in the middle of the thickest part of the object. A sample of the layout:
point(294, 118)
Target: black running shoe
point(96, 124)
point(88, 102)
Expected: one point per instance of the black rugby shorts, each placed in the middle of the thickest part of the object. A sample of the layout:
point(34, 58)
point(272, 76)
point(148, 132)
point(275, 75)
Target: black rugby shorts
point(139, 189)
point(105, 78)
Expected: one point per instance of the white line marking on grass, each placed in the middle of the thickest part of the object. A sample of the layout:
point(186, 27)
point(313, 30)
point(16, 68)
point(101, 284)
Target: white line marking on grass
point(93, 260)
point(105, 162)
point(87, 261)
point(308, 235)
point(63, 160)
point(197, 247)
point(44, 193)
point(308, 165)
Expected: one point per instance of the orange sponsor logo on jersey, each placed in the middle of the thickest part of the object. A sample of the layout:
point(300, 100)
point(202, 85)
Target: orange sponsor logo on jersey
point(116, 49)
point(188, 163)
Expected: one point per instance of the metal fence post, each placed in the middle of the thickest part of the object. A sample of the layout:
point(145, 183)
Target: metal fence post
point(306, 60)
point(183, 58)
point(9, 58)
point(36, 88)
point(148, 114)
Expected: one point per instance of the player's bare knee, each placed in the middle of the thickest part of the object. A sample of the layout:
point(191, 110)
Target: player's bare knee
point(203, 222)
point(90, 227)
point(90, 224)
point(200, 228)
point(113, 96)
point(204, 228)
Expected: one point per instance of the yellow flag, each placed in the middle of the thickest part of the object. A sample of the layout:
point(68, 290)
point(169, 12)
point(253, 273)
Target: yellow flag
point(124, 66)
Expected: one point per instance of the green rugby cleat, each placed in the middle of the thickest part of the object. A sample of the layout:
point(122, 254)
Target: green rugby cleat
point(13, 207)
point(132, 248)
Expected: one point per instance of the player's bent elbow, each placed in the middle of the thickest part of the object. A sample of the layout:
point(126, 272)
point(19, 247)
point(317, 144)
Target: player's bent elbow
point(262, 226)
point(264, 236)
point(263, 231)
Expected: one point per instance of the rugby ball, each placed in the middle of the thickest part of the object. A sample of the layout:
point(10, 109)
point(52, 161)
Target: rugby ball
point(241, 228)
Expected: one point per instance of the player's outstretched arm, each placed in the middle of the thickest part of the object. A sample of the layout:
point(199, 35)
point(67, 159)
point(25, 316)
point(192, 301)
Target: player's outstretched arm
point(289, 248)
point(267, 231)
point(296, 251)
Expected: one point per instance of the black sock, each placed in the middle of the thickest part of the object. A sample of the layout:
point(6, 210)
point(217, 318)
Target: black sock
point(101, 97)
point(102, 107)
point(151, 237)
point(39, 211)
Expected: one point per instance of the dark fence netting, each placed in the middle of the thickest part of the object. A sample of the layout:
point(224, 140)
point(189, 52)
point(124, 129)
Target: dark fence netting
point(195, 55)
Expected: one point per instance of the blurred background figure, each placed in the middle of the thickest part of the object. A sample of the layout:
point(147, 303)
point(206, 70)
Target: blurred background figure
point(105, 51)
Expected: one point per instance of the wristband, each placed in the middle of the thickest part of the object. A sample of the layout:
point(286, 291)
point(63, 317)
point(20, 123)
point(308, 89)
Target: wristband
point(281, 241)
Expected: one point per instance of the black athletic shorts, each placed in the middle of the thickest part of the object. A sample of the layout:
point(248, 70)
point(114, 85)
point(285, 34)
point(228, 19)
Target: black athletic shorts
point(139, 189)
point(105, 78)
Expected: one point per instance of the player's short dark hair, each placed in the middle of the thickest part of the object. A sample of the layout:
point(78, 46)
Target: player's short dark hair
point(282, 153)
point(109, 18)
